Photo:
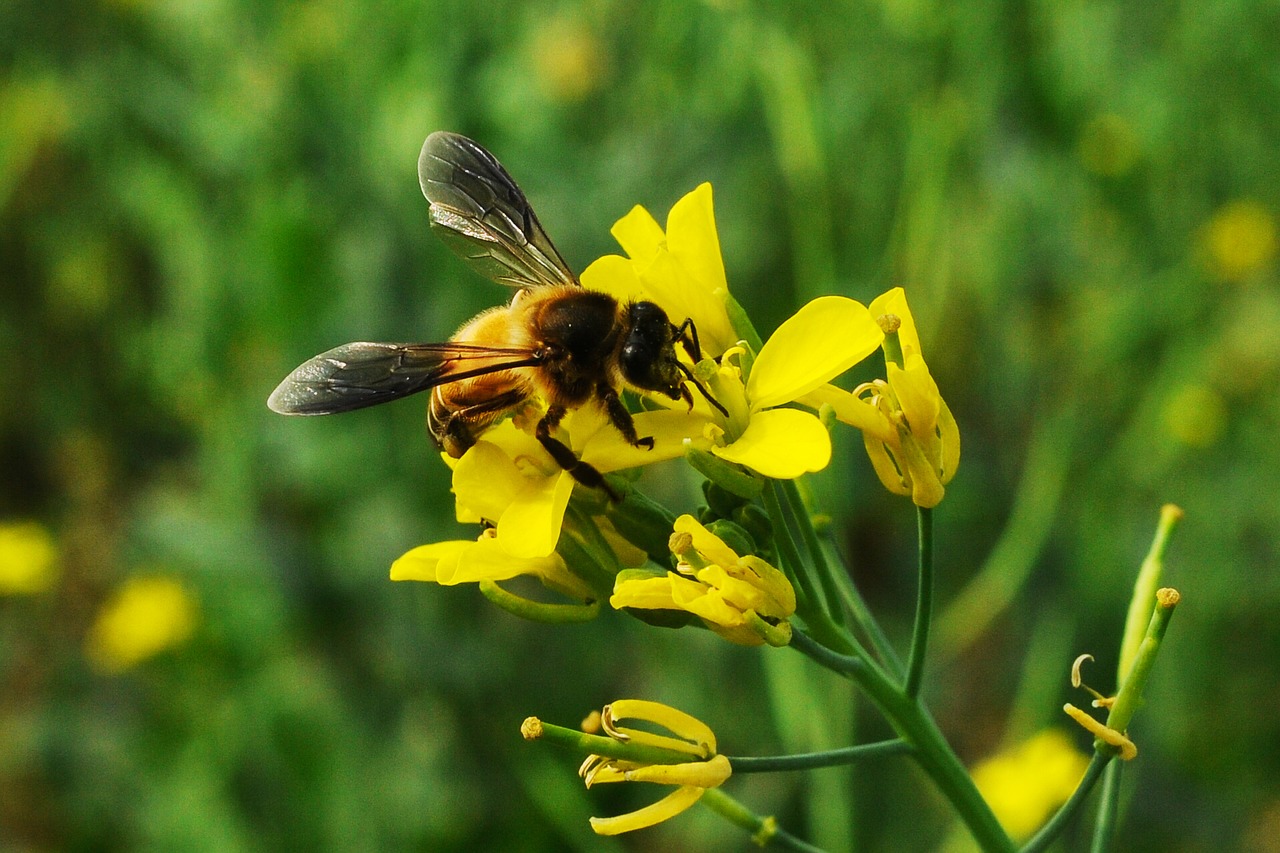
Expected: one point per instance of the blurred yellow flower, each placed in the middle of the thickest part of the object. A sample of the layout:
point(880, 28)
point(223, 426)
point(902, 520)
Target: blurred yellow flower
point(692, 738)
point(743, 599)
point(145, 616)
point(1240, 240)
point(1195, 415)
point(1024, 784)
point(569, 60)
point(679, 269)
point(909, 432)
point(28, 558)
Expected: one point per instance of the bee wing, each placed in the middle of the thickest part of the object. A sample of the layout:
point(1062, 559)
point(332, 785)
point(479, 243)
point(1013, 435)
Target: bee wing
point(484, 217)
point(357, 375)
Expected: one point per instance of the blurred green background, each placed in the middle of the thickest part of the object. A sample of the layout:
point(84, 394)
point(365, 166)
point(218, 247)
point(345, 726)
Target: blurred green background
point(195, 196)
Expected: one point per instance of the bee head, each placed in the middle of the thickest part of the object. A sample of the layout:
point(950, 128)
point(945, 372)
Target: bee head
point(648, 359)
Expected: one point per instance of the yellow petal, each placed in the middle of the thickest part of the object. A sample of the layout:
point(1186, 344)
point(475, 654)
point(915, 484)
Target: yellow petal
point(614, 275)
point(775, 585)
point(705, 774)
point(887, 466)
point(530, 526)
point(950, 439)
point(423, 563)
point(917, 394)
point(819, 342)
point(693, 241)
point(650, 593)
point(705, 542)
point(738, 593)
point(485, 481)
point(706, 604)
point(851, 410)
point(679, 723)
point(668, 807)
point(895, 302)
point(638, 233)
point(607, 450)
point(781, 443)
point(674, 288)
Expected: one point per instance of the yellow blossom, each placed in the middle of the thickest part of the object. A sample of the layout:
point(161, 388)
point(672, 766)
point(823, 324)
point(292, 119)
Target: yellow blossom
point(909, 432)
point(145, 616)
point(1240, 240)
point(743, 599)
point(679, 269)
point(1026, 783)
point(701, 768)
point(484, 559)
point(28, 558)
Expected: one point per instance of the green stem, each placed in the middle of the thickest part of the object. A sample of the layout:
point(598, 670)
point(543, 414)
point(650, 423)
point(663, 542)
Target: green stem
point(914, 724)
point(764, 830)
point(866, 622)
point(1108, 809)
point(826, 758)
point(924, 604)
point(817, 557)
point(588, 744)
point(1054, 827)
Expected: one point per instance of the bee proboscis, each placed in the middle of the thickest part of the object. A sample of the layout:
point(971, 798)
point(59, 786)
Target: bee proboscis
point(557, 341)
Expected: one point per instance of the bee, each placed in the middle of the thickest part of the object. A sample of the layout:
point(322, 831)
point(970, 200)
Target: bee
point(556, 341)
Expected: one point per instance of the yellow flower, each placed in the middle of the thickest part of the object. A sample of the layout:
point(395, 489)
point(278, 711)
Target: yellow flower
point(144, 617)
point(679, 269)
point(743, 599)
point(909, 432)
point(1240, 240)
point(484, 559)
point(28, 558)
point(1025, 784)
point(819, 342)
point(682, 271)
point(690, 739)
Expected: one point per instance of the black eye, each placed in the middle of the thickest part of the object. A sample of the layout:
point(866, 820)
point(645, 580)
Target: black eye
point(648, 357)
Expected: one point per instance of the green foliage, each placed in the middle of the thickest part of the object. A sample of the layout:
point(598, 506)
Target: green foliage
point(195, 197)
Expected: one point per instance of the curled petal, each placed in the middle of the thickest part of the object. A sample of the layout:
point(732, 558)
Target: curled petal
point(888, 467)
point(641, 589)
point(852, 410)
point(705, 774)
point(705, 542)
point(917, 394)
point(668, 807)
point(692, 731)
point(781, 443)
point(819, 342)
point(949, 437)
point(425, 562)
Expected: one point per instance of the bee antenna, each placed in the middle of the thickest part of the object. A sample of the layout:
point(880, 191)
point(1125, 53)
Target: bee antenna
point(696, 384)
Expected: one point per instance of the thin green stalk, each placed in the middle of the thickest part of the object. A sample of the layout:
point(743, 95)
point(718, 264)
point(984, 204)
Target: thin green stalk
point(1051, 830)
point(764, 830)
point(866, 621)
point(924, 603)
point(914, 724)
point(826, 758)
point(1103, 829)
point(818, 558)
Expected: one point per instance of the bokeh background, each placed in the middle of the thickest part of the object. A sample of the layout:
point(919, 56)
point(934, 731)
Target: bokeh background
point(199, 645)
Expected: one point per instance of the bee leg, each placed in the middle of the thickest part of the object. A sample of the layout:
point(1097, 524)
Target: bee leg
point(687, 334)
point(621, 418)
point(566, 458)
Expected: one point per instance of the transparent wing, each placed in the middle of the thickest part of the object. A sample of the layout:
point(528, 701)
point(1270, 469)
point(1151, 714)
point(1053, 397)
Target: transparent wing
point(484, 217)
point(357, 375)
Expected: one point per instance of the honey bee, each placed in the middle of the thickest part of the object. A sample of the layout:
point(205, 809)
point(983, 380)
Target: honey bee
point(556, 341)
